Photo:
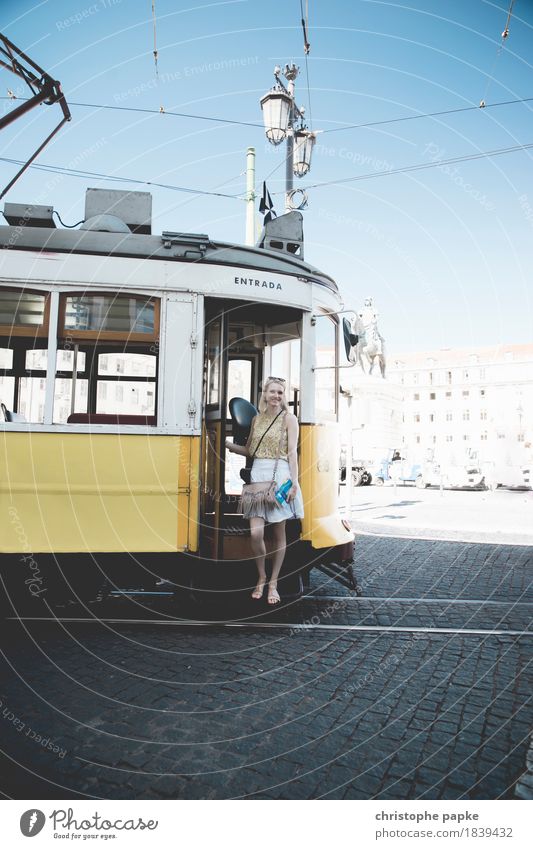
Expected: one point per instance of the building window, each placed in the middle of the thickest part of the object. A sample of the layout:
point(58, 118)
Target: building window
point(432, 396)
point(465, 374)
point(449, 439)
point(466, 415)
point(482, 393)
point(416, 396)
point(434, 439)
point(431, 378)
point(466, 393)
point(449, 417)
point(432, 417)
point(448, 377)
point(482, 374)
point(483, 415)
point(418, 440)
point(417, 418)
point(520, 437)
point(415, 378)
point(484, 436)
point(466, 437)
point(448, 394)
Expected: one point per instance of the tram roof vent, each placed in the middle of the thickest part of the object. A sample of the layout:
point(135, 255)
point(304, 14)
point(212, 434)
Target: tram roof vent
point(285, 234)
point(29, 214)
point(133, 208)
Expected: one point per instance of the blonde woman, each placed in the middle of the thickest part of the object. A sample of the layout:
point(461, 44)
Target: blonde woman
point(273, 430)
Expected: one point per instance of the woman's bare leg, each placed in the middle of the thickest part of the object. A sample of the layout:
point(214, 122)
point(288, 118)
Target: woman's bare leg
point(257, 536)
point(280, 545)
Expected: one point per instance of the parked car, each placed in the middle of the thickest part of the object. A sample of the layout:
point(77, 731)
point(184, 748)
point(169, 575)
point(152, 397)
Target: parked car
point(454, 476)
point(394, 468)
point(360, 474)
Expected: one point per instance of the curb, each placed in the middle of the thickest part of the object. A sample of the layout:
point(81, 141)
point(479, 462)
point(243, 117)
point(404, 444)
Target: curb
point(524, 785)
point(441, 534)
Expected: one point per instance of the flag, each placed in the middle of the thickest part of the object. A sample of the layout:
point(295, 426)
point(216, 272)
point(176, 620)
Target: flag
point(266, 207)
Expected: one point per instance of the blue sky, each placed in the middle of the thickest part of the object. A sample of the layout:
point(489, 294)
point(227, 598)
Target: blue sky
point(445, 252)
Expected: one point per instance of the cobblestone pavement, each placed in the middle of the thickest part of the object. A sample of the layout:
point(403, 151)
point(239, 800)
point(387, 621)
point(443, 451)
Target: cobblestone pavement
point(176, 711)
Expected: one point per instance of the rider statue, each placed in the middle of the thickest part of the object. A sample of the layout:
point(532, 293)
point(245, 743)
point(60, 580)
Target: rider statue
point(372, 343)
point(368, 315)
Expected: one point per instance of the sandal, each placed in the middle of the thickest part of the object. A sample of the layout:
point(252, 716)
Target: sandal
point(273, 596)
point(259, 590)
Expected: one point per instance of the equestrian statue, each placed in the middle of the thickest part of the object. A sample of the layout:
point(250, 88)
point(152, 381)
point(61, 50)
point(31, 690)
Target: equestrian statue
point(370, 344)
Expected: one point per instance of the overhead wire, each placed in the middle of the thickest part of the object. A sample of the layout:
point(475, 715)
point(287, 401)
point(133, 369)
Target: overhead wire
point(74, 172)
point(422, 166)
point(398, 120)
point(503, 38)
point(155, 40)
point(307, 49)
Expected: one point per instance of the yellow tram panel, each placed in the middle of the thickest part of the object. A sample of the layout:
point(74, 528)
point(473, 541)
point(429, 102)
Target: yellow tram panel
point(76, 492)
point(319, 481)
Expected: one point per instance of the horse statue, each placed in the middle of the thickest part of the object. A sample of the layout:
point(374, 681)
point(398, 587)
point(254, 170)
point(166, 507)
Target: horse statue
point(374, 348)
point(370, 344)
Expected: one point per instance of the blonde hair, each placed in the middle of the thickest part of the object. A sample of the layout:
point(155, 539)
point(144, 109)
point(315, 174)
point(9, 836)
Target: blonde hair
point(263, 402)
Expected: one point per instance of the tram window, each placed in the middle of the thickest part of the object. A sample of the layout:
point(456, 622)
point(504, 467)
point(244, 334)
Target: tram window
point(31, 398)
point(127, 397)
point(326, 378)
point(7, 391)
point(143, 365)
point(285, 361)
point(63, 398)
point(132, 318)
point(239, 380)
point(214, 349)
point(23, 313)
point(6, 358)
point(7, 384)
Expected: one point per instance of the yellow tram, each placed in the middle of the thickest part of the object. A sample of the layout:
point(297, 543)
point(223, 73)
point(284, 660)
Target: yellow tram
point(120, 350)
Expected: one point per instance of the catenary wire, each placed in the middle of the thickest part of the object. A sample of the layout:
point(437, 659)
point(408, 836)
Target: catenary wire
point(253, 124)
point(420, 166)
point(72, 172)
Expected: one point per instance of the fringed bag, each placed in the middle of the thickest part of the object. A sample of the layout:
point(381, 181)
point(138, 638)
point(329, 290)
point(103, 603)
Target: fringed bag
point(258, 496)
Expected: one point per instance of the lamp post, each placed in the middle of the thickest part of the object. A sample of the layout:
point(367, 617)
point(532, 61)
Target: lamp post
point(281, 114)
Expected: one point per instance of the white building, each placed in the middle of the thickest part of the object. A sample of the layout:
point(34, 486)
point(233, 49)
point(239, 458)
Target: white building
point(467, 402)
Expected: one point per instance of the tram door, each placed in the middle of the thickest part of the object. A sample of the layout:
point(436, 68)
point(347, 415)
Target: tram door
point(241, 339)
point(232, 366)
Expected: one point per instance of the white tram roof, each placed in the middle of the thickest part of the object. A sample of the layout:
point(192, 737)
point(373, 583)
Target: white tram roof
point(32, 228)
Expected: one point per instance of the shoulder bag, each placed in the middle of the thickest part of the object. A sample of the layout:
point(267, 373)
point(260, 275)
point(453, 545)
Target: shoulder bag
point(257, 496)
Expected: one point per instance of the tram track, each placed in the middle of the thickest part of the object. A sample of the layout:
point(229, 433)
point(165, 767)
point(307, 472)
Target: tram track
point(286, 626)
point(318, 613)
point(308, 613)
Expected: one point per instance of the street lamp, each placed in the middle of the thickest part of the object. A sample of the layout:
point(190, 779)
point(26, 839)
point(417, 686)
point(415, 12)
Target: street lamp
point(304, 142)
point(280, 114)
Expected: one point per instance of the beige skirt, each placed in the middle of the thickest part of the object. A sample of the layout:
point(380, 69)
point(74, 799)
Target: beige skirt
point(262, 470)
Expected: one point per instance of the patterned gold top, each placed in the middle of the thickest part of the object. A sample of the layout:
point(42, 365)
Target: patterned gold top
point(268, 450)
